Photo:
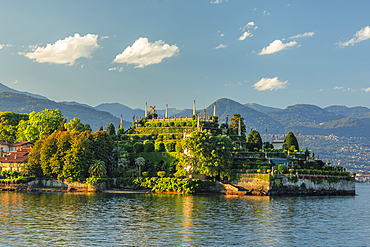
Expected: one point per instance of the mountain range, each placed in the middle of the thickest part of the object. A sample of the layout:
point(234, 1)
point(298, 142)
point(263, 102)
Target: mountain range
point(299, 118)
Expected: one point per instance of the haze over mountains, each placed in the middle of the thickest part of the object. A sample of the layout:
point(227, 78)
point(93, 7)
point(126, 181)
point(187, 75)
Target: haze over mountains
point(300, 118)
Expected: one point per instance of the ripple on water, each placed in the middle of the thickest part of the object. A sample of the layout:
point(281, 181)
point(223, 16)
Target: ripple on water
point(63, 219)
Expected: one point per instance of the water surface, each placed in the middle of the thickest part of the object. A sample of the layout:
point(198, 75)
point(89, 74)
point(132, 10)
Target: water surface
point(62, 219)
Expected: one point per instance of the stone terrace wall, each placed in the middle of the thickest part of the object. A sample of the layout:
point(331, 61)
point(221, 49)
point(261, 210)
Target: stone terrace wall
point(307, 187)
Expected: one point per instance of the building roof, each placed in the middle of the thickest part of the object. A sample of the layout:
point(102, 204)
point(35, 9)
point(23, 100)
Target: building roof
point(13, 159)
point(19, 144)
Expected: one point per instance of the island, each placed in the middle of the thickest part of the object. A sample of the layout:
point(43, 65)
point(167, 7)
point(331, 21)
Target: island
point(178, 154)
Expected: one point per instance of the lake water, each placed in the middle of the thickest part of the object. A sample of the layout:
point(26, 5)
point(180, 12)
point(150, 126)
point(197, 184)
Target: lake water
point(62, 219)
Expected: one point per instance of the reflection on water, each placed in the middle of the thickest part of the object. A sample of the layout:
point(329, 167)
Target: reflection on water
point(183, 220)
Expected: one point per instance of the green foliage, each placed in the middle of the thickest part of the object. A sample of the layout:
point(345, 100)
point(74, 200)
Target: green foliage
point(128, 147)
point(139, 147)
point(111, 129)
point(97, 168)
point(15, 177)
point(75, 125)
point(93, 180)
point(39, 124)
point(234, 125)
point(159, 147)
point(161, 174)
point(188, 186)
point(178, 147)
point(209, 155)
point(8, 125)
point(291, 140)
point(281, 169)
point(254, 140)
point(148, 146)
point(170, 146)
point(65, 155)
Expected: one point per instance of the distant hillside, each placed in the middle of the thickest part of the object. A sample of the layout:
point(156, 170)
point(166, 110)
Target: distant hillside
point(253, 119)
point(19, 103)
point(261, 108)
point(74, 103)
point(303, 115)
point(117, 109)
point(357, 112)
point(348, 127)
point(4, 88)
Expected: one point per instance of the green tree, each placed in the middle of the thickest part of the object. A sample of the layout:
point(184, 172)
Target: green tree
point(148, 146)
point(98, 168)
point(291, 140)
point(75, 125)
point(8, 125)
point(208, 154)
point(111, 129)
point(234, 125)
point(159, 147)
point(138, 147)
point(39, 124)
point(254, 140)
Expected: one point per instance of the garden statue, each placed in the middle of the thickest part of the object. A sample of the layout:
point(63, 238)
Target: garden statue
point(152, 109)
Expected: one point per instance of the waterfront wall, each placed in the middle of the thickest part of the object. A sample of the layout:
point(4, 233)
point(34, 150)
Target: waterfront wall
point(65, 185)
point(279, 185)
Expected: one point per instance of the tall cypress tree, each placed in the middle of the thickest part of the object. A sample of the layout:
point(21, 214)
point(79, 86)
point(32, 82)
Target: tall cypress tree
point(291, 140)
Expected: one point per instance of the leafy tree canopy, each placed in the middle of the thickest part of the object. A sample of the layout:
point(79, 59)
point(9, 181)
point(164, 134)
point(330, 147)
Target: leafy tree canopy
point(208, 154)
point(39, 124)
point(75, 125)
point(234, 125)
point(254, 140)
point(66, 155)
point(8, 125)
point(291, 140)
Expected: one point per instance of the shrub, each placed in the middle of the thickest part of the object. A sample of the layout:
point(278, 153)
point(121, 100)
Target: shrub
point(139, 147)
point(170, 146)
point(178, 147)
point(129, 148)
point(161, 174)
point(148, 146)
point(159, 147)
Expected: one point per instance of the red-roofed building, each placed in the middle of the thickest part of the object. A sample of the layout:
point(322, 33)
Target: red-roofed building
point(13, 156)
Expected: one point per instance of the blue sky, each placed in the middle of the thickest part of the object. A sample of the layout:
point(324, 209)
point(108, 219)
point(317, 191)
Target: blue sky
point(275, 53)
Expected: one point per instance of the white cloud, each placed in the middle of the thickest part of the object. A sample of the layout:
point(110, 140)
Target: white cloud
point(120, 69)
point(221, 34)
point(5, 45)
point(270, 84)
point(266, 13)
point(306, 34)
point(249, 25)
point(361, 35)
point(344, 89)
point(366, 89)
point(221, 46)
point(15, 82)
point(82, 66)
point(65, 51)
point(143, 53)
point(245, 35)
point(218, 1)
point(111, 69)
point(276, 46)
point(104, 37)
